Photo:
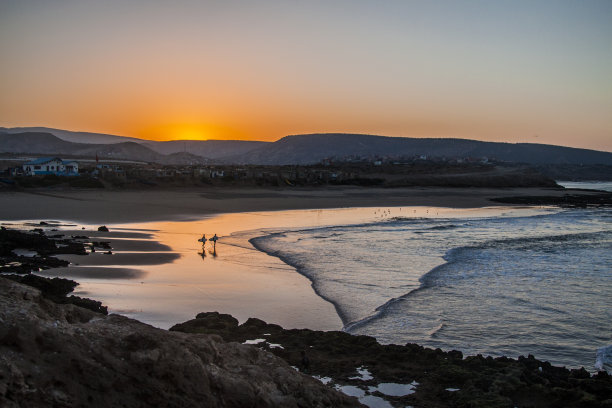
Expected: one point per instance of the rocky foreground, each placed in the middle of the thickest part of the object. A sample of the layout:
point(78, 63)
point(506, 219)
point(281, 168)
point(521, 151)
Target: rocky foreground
point(64, 351)
point(440, 379)
point(62, 355)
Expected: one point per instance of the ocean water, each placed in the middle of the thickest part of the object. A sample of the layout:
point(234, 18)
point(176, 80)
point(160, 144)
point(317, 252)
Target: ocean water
point(508, 285)
point(590, 185)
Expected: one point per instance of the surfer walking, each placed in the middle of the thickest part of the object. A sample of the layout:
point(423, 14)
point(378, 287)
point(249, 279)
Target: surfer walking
point(203, 240)
point(212, 240)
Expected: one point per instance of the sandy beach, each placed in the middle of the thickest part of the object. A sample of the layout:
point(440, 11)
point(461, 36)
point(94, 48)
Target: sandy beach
point(158, 272)
point(187, 204)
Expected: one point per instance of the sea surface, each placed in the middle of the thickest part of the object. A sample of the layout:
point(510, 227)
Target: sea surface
point(496, 281)
point(590, 185)
point(511, 285)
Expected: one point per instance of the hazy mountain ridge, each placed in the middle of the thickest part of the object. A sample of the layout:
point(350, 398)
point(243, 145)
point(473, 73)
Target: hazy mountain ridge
point(298, 149)
point(312, 148)
point(212, 149)
point(75, 137)
point(48, 144)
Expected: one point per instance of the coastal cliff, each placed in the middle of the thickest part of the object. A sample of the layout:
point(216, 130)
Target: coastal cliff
point(63, 355)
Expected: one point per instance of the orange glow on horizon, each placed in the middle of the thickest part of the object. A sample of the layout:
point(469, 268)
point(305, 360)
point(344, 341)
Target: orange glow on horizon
point(266, 70)
point(187, 131)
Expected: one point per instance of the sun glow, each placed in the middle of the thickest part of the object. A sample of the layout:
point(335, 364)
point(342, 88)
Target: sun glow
point(177, 131)
point(189, 134)
point(216, 71)
point(189, 131)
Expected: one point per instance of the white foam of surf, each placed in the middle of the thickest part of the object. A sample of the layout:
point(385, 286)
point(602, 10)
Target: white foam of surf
point(603, 359)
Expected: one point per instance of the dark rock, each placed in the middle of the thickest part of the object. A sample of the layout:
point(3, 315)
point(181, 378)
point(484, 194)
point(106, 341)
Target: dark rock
point(43, 245)
point(56, 289)
point(209, 322)
point(13, 239)
point(53, 288)
point(567, 200)
point(54, 359)
point(101, 244)
point(482, 381)
point(86, 303)
point(455, 354)
point(103, 228)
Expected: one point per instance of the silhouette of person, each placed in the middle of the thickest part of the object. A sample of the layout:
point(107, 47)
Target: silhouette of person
point(214, 242)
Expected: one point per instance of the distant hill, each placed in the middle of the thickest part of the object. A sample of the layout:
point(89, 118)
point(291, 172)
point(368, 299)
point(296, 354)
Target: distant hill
point(76, 137)
point(305, 149)
point(212, 149)
point(297, 149)
point(48, 144)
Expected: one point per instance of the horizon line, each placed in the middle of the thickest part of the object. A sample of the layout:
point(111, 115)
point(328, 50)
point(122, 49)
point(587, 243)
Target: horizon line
point(298, 134)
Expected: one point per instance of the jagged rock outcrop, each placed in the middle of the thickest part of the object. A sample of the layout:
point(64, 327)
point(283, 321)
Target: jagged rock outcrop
point(444, 379)
point(65, 356)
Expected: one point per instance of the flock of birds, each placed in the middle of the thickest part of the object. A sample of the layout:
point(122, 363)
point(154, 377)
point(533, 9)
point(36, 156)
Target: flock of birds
point(383, 213)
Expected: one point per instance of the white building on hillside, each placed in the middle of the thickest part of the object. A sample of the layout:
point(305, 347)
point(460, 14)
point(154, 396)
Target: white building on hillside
point(51, 165)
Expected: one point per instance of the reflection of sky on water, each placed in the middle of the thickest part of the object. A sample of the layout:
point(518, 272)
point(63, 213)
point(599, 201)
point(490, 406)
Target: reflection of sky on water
point(239, 280)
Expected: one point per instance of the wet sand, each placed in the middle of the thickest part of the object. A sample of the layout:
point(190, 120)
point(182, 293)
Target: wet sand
point(158, 273)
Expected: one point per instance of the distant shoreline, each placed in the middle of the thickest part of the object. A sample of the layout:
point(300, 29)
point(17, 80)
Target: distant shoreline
point(105, 206)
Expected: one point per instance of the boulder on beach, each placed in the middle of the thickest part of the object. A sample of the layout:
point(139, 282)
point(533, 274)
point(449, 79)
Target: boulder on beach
point(103, 228)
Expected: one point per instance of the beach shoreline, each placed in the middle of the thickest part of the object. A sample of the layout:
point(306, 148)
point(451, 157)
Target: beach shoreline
point(158, 272)
point(224, 211)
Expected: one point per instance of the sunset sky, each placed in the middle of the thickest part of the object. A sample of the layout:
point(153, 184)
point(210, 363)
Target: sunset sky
point(517, 71)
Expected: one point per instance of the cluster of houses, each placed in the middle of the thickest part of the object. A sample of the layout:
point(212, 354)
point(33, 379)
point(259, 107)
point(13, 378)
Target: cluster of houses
point(50, 165)
point(143, 172)
point(351, 169)
point(227, 173)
